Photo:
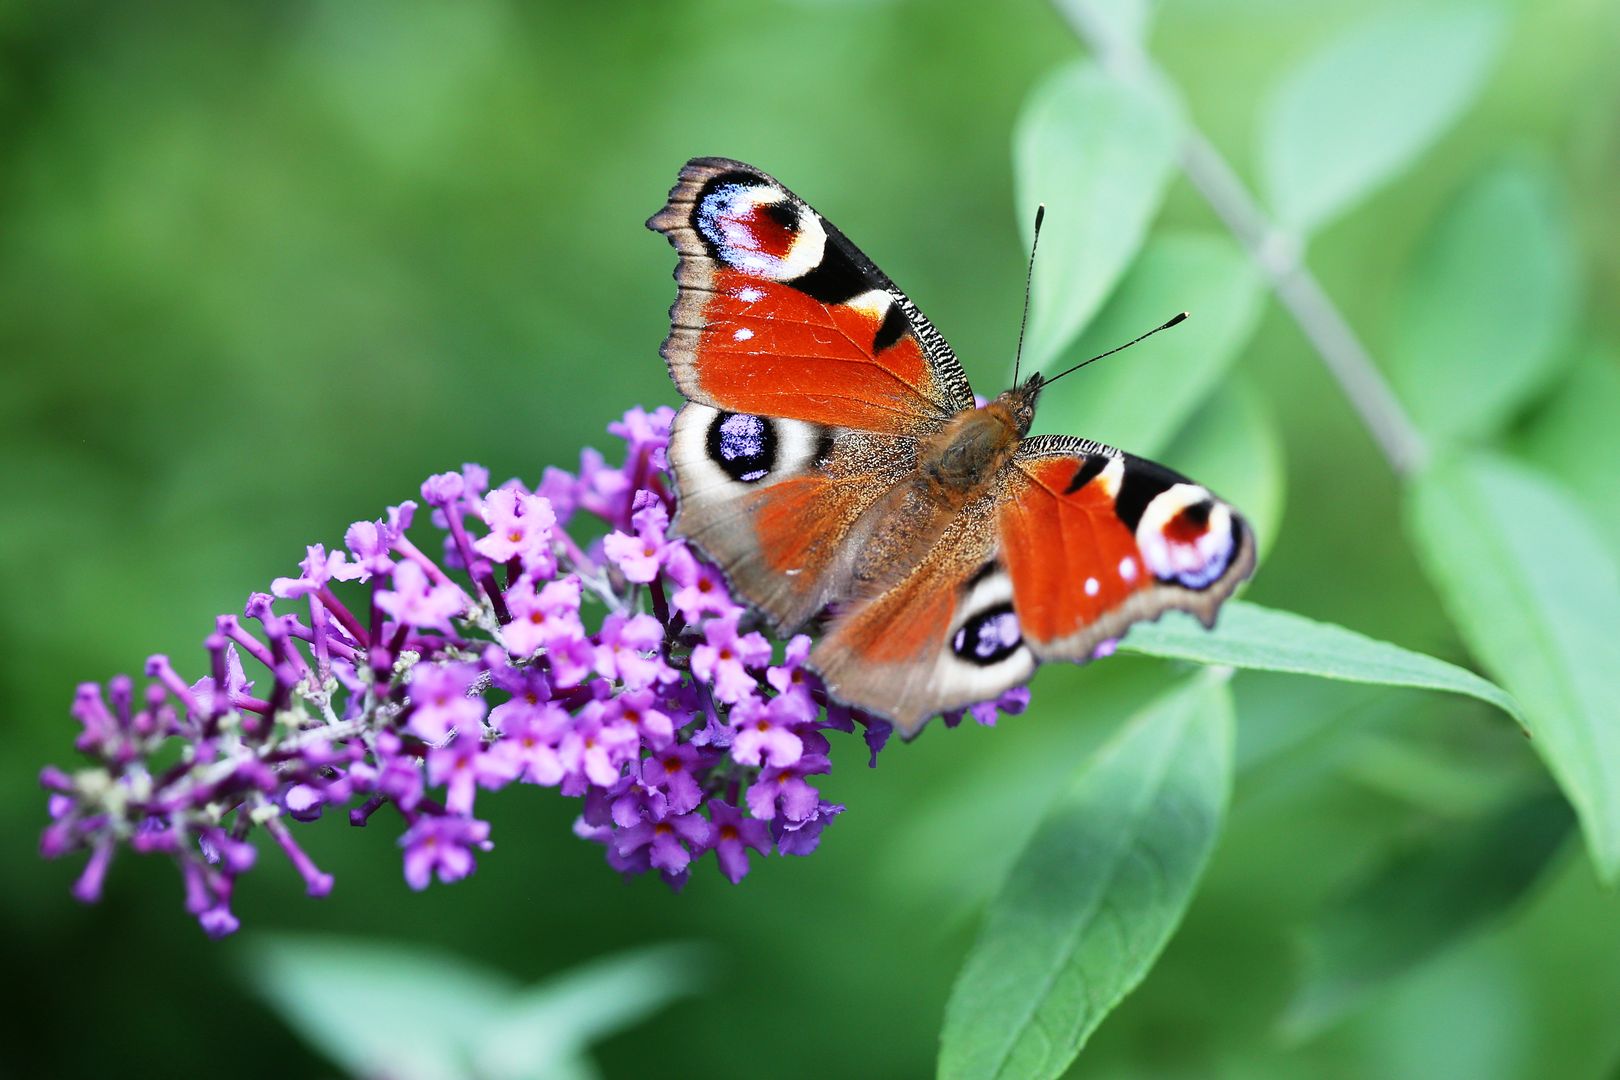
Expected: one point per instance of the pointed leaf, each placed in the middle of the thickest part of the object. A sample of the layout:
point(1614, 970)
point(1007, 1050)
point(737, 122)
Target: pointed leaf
point(1576, 439)
point(377, 1009)
point(1361, 109)
point(1142, 398)
point(1489, 306)
point(1536, 597)
point(1095, 896)
point(546, 1026)
point(1099, 153)
point(1250, 636)
point(1424, 899)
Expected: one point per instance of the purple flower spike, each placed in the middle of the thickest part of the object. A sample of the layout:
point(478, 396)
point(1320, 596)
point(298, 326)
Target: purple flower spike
point(620, 673)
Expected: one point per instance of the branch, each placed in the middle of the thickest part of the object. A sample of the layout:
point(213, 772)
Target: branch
point(1279, 254)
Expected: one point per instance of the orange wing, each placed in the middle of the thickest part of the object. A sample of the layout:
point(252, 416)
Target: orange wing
point(1096, 540)
point(779, 315)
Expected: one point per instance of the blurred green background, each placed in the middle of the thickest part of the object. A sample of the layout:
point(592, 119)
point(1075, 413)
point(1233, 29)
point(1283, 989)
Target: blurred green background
point(263, 267)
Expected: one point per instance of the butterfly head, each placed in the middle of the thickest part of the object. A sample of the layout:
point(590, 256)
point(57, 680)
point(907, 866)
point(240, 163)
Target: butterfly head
point(1019, 402)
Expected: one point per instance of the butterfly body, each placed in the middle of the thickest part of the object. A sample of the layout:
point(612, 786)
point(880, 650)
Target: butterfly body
point(832, 461)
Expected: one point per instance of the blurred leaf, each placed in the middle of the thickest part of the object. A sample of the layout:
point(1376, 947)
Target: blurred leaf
point(378, 1009)
point(1095, 896)
point(1099, 153)
point(382, 1009)
point(1424, 899)
point(1232, 446)
point(1128, 20)
point(1438, 778)
point(544, 1028)
point(1358, 111)
point(1489, 304)
point(1141, 398)
point(1250, 636)
point(1577, 440)
point(997, 797)
point(1537, 598)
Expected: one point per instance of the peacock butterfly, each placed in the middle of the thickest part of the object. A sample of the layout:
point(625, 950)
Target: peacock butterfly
point(832, 461)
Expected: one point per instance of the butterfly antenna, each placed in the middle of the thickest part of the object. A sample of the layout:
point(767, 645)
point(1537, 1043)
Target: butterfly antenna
point(1029, 279)
point(1178, 317)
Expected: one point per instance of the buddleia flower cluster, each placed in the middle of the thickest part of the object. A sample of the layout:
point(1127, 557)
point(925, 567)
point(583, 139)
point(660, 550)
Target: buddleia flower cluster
point(618, 671)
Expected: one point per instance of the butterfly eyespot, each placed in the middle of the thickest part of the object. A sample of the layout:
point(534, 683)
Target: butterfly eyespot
point(988, 637)
point(743, 446)
point(753, 227)
point(1186, 537)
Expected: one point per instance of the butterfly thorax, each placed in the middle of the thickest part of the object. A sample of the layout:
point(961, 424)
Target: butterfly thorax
point(959, 462)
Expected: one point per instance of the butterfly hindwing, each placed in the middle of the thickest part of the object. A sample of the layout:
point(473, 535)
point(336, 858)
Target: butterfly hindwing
point(773, 501)
point(941, 636)
point(778, 314)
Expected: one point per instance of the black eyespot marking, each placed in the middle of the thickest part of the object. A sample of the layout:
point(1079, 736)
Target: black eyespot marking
point(835, 279)
point(988, 637)
point(1197, 514)
point(824, 449)
point(1094, 464)
point(783, 213)
point(743, 446)
point(893, 328)
point(1143, 481)
point(980, 574)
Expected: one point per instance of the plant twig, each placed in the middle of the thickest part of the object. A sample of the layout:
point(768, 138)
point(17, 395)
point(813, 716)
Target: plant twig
point(1279, 254)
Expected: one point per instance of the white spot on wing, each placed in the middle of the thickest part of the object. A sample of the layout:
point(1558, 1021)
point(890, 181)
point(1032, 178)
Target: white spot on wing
point(1127, 568)
point(1109, 479)
point(873, 302)
point(748, 294)
point(1092, 586)
point(742, 334)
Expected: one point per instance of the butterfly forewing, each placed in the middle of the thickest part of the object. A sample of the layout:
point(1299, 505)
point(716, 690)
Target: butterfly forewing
point(1096, 540)
point(778, 314)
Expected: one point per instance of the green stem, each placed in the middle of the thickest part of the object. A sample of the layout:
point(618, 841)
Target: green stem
point(1278, 254)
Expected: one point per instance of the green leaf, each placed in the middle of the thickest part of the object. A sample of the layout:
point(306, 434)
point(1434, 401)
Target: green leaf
point(1425, 898)
point(1099, 153)
point(381, 1009)
point(1250, 636)
point(377, 1009)
point(1536, 597)
point(1577, 440)
point(1361, 109)
point(1095, 896)
point(1489, 305)
point(544, 1027)
point(1232, 446)
point(1141, 399)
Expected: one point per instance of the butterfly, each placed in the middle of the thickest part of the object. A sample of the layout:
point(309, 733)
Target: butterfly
point(832, 461)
